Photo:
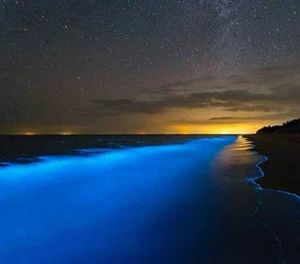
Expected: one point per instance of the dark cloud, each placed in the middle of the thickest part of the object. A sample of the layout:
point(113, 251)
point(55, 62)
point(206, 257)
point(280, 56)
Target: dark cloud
point(231, 118)
point(269, 89)
point(242, 119)
point(230, 100)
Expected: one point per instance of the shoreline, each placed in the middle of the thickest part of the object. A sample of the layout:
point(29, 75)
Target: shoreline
point(282, 167)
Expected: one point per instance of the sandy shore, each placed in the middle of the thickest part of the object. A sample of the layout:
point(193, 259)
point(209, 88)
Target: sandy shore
point(282, 170)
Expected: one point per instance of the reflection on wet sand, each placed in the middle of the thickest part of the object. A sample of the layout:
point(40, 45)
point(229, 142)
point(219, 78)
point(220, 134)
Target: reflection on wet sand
point(275, 214)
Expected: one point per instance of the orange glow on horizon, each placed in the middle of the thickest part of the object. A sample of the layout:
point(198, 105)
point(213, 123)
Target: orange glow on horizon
point(28, 133)
point(141, 132)
point(222, 129)
point(180, 128)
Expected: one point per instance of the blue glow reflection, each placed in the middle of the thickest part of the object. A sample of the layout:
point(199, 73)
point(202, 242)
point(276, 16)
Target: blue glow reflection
point(135, 205)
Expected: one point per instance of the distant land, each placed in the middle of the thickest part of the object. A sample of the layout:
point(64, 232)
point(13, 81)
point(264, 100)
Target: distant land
point(289, 127)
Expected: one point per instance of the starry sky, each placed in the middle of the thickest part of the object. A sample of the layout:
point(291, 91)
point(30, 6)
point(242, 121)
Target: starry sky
point(153, 66)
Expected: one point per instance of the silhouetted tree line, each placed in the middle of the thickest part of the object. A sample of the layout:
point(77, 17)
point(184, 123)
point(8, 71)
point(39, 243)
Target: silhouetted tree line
point(292, 126)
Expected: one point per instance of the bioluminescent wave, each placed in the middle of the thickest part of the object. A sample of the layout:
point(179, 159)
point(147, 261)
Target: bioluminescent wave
point(177, 203)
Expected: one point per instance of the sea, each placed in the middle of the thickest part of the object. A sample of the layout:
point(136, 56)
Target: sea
point(141, 199)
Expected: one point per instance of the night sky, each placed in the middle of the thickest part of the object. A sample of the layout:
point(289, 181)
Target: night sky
point(153, 66)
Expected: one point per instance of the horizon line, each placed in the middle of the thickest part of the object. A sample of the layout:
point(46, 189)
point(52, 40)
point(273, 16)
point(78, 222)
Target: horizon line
point(118, 134)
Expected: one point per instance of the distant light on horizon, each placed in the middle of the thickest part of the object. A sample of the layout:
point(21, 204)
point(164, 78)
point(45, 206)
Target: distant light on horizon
point(29, 133)
point(66, 133)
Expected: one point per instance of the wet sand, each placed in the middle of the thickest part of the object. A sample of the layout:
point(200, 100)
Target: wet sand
point(282, 169)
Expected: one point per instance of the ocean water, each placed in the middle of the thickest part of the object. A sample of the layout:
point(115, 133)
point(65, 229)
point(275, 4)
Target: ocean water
point(146, 200)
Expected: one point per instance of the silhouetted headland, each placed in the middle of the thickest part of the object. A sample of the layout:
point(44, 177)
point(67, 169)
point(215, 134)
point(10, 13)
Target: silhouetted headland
point(281, 144)
point(290, 127)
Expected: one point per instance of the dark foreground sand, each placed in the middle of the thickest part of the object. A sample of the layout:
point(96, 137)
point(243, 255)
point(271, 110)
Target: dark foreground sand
point(282, 170)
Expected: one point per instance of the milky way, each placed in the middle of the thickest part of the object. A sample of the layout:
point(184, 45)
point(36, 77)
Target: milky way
point(150, 66)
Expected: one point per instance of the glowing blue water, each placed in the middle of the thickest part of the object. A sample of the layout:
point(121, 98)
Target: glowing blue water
point(183, 203)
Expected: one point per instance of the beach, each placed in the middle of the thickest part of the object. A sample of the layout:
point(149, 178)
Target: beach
point(190, 201)
point(282, 169)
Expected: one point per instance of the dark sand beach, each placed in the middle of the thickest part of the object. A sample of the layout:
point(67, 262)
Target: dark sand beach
point(282, 169)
